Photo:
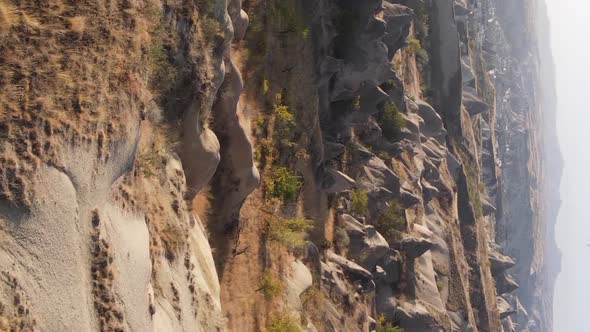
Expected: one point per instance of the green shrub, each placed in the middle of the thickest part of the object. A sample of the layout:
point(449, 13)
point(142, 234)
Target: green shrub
point(282, 322)
point(284, 124)
point(288, 232)
point(413, 45)
point(269, 286)
point(391, 121)
point(285, 118)
point(440, 285)
point(359, 200)
point(392, 222)
point(384, 326)
point(283, 184)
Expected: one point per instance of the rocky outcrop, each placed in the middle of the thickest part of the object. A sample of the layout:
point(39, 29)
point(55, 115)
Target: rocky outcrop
point(345, 159)
point(236, 176)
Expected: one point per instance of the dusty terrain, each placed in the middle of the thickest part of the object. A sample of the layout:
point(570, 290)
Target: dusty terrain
point(266, 165)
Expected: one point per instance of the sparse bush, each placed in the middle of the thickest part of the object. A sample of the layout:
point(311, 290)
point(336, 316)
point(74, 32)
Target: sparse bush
point(286, 13)
point(283, 184)
point(149, 162)
point(384, 326)
point(384, 155)
point(473, 186)
point(391, 121)
point(282, 322)
point(162, 72)
point(173, 239)
point(359, 200)
point(341, 238)
point(264, 150)
point(482, 187)
point(312, 301)
point(413, 45)
point(210, 27)
point(392, 222)
point(397, 66)
point(288, 232)
point(161, 65)
point(269, 286)
point(440, 285)
point(284, 124)
point(285, 118)
point(302, 154)
point(265, 86)
point(356, 104)
point(8, 15)
point(260, 120)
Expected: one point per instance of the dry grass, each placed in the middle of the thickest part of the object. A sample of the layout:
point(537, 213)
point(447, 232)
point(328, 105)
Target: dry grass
point(63, 78)
point(109, 312)
point(79, 72)
point(77, 23)
point(8, 15)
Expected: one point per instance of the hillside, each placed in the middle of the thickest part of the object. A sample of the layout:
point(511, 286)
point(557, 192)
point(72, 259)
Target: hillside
point(277, 165)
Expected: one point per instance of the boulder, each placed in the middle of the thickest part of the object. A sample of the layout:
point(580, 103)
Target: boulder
point(508, 325)
point(428, 191)
point(472, 103)
point(504, 307)
point(361, 278)
point(297, 280)
point(461, 10)
point(391, 265)
point(413, 316)
point(334, 181)
point(486, 205)
point(353, 227)
point(333, 279)
point(311, 253)
point(467, 72)
point(407, 199)
point(432, 126)
point(505, 284)
point(376, 174)
point(333, 150)
point(398, 19)
point(374, 248)
point(459, 322)
point(500, 262)
point(415, 247)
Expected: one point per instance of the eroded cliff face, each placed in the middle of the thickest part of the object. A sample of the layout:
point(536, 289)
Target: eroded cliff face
point(278, 165)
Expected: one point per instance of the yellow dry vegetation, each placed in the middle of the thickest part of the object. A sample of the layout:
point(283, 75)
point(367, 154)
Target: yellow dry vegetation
point(64, 77)
point(75, 73)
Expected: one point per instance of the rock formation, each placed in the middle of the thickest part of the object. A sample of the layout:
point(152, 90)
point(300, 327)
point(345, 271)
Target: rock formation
point(276, 165)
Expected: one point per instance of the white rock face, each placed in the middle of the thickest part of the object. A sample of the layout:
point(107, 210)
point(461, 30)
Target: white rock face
point(297, 281)
point(50, 251)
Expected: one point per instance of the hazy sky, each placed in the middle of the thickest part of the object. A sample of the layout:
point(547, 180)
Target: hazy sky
point(570, 37)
